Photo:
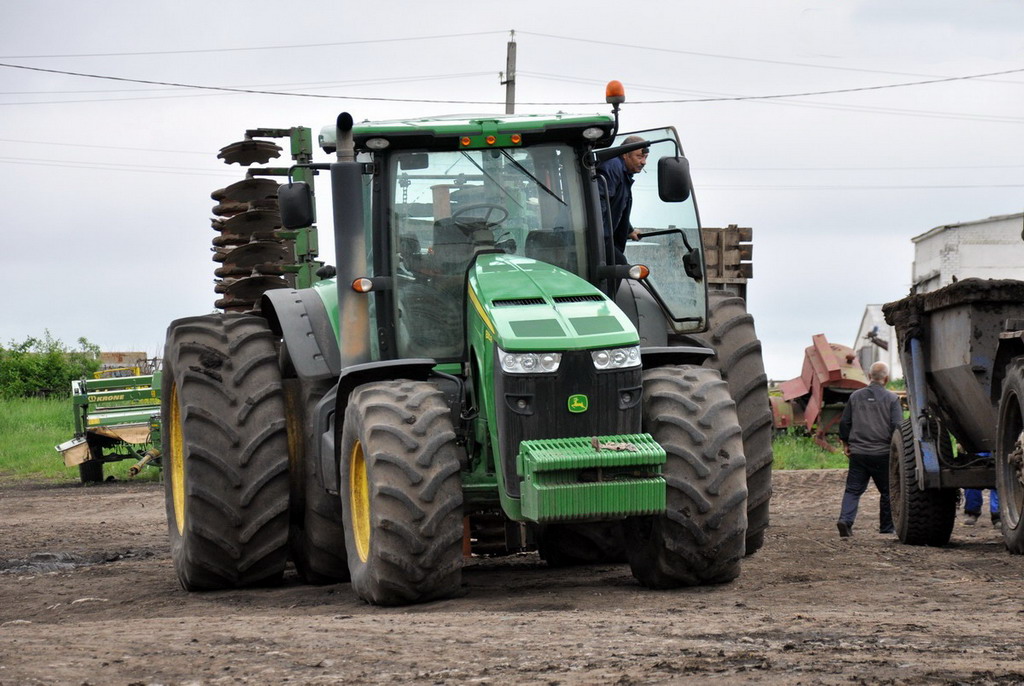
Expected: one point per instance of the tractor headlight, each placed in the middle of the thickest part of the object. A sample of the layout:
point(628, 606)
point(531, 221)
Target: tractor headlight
point(616, 358)
point(529, 363)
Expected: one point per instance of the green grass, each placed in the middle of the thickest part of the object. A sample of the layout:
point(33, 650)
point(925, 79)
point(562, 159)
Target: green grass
point(796, 451)
point(30, 427)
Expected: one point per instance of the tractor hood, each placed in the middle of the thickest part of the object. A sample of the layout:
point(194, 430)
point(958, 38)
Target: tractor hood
point(527, 305)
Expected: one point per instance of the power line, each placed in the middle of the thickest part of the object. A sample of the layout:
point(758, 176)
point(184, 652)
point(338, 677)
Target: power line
point(262, 47)
point(179, 94)
point(103, 147)
point(858, 89)
point(761, 60)
point(101, 166)
point(813, 105)
point(226, 89)
point(738, 98)
point(306, 84)
point(592, 41)
point(857, 169)
point(93, 162)
point(845, 187)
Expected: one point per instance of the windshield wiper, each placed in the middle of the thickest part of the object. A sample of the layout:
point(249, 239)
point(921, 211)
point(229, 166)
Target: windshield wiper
point(492, 179)
point(534, 178)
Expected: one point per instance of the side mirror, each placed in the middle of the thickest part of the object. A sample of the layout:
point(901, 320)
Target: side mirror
point(673, 179)
point(296, 205)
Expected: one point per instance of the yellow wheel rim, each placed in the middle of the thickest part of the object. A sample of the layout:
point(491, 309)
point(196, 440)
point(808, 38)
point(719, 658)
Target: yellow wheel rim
point(359, 496)
point(176, 468)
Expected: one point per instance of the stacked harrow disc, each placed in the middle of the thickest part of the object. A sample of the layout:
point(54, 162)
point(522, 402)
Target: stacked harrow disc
point(252, 256)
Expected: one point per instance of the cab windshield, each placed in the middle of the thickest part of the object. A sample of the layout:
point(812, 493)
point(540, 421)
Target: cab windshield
point(447, 206)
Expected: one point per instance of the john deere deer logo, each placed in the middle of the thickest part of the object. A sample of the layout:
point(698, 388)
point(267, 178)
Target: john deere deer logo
point(578, 403)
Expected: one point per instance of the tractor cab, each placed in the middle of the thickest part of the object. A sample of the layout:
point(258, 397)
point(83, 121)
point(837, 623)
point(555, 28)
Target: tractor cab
point(445, 191)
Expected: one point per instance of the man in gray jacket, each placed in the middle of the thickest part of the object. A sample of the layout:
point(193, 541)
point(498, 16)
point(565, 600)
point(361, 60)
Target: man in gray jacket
point(869, 419)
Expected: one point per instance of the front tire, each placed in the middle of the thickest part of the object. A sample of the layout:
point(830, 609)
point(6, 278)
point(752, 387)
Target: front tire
point(700, 538)
point(401, 493)
point(225, 448)
point(1010, 458)
point(919, 517)
point(738, 359)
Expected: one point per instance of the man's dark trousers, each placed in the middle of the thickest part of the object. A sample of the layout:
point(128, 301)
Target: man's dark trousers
point(864, 468)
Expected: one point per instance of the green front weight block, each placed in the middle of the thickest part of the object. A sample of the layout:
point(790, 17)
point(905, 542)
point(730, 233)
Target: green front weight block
point(599, 477)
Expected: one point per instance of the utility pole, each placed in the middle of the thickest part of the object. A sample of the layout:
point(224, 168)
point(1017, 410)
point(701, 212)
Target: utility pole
point(510, 75)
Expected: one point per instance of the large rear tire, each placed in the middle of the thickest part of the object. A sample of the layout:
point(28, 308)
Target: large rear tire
point(919, 517)
point(317, 533)
point(738, 359)
point(225, 448)
point(700, 538)
point(1010, 458)
point(401, 493)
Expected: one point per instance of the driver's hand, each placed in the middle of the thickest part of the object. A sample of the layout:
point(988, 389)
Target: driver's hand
point(635, 235)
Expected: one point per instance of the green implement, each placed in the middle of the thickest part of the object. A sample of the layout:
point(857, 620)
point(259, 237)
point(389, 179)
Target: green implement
point(116, 418)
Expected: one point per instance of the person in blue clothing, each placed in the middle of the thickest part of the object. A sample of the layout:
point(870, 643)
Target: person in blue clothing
point(869, 419)
point(973, 499)
point(618, 174)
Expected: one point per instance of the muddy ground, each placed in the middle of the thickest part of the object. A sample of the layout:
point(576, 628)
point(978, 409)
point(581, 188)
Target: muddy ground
point(88, 596)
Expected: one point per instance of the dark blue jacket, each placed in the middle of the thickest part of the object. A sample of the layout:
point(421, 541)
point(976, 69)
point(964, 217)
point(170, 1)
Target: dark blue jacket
point(616, 206)
point(869, 419)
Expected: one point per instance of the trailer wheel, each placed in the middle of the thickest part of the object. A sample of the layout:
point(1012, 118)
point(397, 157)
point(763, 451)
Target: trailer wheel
point(401, 493)
point(919, 517)
point(1010, 458)
point(700, 538)
point(91, 471)
point(738, 359)
point(317, 533)
point(564, 545)
point(225, 449)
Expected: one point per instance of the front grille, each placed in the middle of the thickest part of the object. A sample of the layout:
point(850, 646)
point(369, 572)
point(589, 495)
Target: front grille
point(547, 396)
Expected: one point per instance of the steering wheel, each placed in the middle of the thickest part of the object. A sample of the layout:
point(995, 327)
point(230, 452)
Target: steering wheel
point(476, 223)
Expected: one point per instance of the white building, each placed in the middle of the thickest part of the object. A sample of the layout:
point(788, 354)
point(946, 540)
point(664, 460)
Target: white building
point(876, 342)
point(990, 248)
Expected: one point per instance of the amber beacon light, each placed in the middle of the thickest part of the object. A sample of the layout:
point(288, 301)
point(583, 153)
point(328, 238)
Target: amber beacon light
point(614, 93)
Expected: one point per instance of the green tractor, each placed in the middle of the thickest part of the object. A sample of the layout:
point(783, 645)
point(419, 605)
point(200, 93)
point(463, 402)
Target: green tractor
point(480, 378)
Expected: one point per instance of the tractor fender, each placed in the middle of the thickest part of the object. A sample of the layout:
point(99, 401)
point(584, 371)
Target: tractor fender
point(300, 318)
point(330, 411)
point(1009, 347)
point(644, 311)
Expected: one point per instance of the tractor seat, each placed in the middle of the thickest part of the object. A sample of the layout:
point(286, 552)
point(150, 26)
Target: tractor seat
point(554, 247)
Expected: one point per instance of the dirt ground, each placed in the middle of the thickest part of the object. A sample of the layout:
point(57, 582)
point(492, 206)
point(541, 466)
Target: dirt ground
point(88, 596)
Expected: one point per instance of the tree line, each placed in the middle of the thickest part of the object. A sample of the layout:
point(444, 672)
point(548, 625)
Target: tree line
point(44, 366)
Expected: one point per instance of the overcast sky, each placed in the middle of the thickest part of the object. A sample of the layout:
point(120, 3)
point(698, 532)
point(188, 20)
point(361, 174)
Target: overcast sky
point(106, 191)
